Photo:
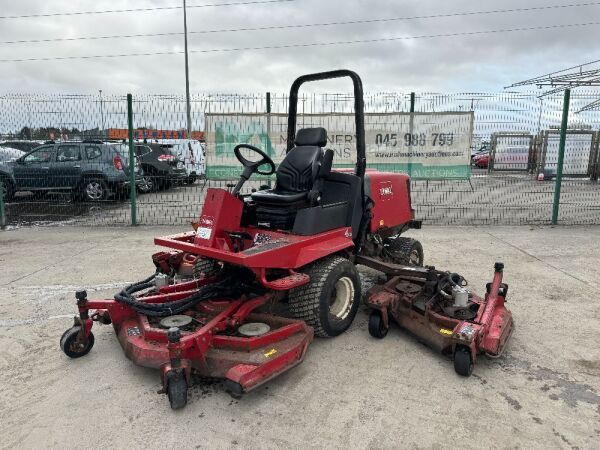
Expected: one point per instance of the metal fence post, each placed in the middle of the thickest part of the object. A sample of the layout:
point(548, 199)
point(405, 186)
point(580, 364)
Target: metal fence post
point(132, 186)
point(2, 211)
point(561, 155)
point(411, 125)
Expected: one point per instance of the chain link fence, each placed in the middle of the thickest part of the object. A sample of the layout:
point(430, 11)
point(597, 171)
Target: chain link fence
point(79, 170)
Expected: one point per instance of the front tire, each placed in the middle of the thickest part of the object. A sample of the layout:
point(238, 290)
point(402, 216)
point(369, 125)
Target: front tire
point(146, 184)
point(329, 302)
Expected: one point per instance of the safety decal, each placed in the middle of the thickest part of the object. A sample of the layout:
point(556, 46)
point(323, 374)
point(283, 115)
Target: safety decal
point(446, 331)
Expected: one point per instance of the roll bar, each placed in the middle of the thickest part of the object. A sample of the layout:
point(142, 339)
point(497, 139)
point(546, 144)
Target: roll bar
point(359, 112)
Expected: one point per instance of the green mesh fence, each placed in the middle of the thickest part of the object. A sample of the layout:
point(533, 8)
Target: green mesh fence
point(63, 157)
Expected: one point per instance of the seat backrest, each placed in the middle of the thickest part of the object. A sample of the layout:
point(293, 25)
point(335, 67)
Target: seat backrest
point(300, 167)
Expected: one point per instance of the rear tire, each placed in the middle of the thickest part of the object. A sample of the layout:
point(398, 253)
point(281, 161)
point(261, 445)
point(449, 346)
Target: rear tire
point(405, 251)
point(191, 179)
point(329, 302)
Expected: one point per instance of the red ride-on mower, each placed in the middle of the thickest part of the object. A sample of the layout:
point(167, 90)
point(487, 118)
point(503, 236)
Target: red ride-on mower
point(437, 308)
point(207, 306)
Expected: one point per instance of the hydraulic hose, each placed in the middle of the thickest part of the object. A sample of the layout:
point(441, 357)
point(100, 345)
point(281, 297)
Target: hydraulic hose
point(229, 287)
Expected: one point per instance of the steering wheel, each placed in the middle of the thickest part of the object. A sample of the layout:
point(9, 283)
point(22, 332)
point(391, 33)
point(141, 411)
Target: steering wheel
point(254, 165)
point(251, 167)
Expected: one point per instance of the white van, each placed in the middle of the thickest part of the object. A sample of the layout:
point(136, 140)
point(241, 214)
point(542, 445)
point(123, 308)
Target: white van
point(191, 152)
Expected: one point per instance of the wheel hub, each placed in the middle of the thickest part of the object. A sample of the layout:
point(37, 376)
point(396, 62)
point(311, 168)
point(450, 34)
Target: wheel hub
point(94, 190)
point(254, 329)
point(179, 321)
point(342, 298)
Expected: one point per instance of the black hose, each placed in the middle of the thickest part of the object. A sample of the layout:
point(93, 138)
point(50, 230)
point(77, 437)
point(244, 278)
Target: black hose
point(226, 288)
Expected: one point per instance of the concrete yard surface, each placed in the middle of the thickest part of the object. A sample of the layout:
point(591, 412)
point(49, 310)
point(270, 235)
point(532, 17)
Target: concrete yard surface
point(352, 391)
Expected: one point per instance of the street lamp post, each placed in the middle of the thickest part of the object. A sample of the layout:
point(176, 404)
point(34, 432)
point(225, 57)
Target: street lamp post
point(187, 76)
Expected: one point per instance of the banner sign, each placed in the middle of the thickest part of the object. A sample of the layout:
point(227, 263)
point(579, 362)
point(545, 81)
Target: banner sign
point(424, 145)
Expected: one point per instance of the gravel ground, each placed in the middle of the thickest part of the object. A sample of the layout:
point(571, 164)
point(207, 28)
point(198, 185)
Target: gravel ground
point(350, 392)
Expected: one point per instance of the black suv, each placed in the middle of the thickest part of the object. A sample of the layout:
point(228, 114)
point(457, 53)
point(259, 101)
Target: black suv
point(161, 167)
point(92, 170)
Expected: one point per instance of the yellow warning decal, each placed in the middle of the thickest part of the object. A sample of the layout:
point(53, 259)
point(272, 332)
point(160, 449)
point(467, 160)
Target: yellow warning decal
point(270, 353)
point(446, 331)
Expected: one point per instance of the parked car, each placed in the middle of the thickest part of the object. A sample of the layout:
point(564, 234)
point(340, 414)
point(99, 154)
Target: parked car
point(160, 166)
point(481, 160)
point(91, 170)
point(24, 146)
point(191, 152)
point(9, 154)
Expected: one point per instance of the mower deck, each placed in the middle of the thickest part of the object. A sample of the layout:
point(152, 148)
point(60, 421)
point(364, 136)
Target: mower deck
point(482, 326)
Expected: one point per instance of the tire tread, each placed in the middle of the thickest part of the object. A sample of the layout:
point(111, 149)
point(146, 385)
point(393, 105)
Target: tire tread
point(304, 301)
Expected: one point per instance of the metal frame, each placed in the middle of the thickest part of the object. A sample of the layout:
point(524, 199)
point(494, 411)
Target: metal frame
point(494, 142)
point(359, 112)
point(592, 169)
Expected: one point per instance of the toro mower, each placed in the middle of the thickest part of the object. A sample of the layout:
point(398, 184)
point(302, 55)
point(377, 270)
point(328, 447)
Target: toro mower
point(208, 306)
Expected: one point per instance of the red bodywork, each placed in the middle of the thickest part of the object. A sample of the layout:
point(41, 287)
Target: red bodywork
point(391, 194)
point(213, 348)
point(260, 249)
point(486, 333)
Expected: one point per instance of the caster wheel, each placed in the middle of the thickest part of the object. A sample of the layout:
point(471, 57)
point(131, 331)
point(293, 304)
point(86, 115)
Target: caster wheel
point(177, 391)
point(463, 363)
point(234, 389)
point(376, 327)
point(72, 348)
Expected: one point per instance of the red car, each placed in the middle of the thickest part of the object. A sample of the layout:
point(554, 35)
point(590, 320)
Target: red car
point(481, 160)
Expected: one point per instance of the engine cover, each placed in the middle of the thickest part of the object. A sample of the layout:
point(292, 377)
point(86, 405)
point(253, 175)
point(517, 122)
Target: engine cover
point(391, 194)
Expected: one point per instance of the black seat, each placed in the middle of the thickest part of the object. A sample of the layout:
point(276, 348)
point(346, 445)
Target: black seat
point(298, 171)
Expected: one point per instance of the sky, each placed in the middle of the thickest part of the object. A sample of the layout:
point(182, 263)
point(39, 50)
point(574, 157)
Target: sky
point(462, 63)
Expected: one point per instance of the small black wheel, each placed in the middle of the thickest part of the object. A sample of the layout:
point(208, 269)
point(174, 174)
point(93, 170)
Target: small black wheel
point(191, 179)
point(72, 348)
point(376, 327)
point(463, 362)
point(405, 251)
point(177, 390)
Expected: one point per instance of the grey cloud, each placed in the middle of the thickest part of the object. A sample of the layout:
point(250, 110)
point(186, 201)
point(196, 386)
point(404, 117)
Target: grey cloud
point(461, 63)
